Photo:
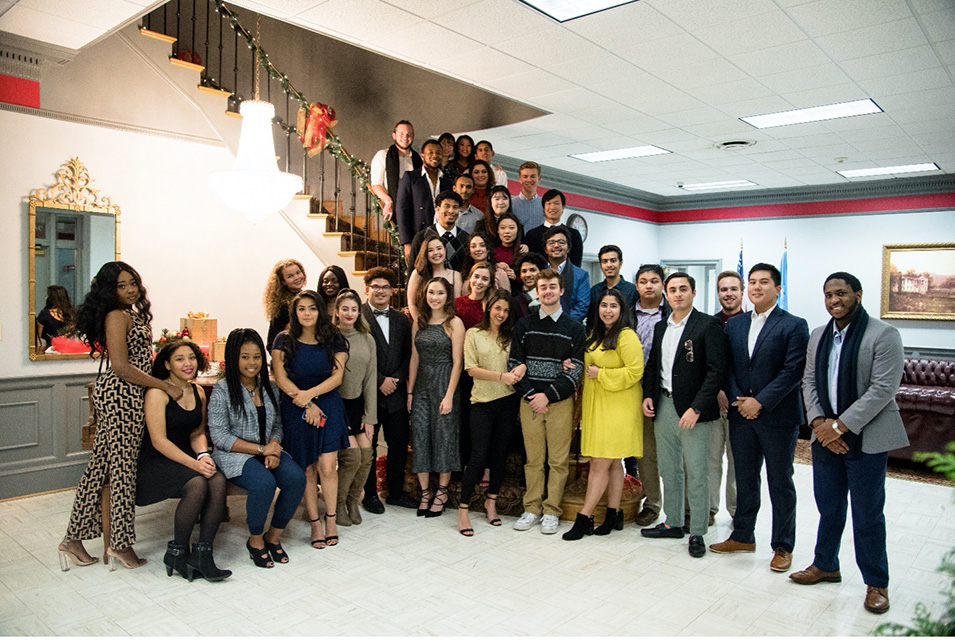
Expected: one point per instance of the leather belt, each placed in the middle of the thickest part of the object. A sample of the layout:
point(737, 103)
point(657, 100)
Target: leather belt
point(668, 394)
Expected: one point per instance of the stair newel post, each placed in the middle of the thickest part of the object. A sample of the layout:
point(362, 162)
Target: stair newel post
point(235, 72)
point(175, 47)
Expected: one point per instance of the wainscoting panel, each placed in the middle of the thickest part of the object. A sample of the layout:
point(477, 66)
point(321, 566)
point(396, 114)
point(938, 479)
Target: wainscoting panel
point(41, 422)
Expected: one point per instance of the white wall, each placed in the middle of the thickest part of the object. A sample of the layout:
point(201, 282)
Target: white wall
point(818, 247)
point(637, 239)
point(192, 252)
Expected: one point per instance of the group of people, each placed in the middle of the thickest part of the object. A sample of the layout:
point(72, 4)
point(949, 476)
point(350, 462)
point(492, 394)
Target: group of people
point(504, 325)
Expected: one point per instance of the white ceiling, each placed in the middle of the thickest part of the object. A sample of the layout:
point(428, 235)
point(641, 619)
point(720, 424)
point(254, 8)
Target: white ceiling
point(672, 73)
point(71, 24)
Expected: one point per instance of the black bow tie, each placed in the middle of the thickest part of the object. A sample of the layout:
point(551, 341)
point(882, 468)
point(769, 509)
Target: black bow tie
point(448, 235)
point(380, 313)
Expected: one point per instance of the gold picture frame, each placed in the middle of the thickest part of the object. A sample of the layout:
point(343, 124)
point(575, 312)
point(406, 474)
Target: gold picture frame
point(918, 281)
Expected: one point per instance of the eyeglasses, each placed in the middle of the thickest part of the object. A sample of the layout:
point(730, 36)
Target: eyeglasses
point(380, 287)
point(559, 243)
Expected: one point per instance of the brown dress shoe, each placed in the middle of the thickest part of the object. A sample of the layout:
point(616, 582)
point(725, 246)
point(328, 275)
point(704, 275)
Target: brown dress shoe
point(876, 599)
point(781, 561)
point(814, 575)
point(646, 517)
point(732, 546)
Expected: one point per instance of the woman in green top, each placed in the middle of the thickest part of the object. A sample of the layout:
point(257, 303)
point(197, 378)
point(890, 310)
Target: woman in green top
point(495, 405)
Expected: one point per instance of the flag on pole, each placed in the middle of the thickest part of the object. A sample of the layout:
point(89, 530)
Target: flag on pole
point(784, 280)
point(739, 265)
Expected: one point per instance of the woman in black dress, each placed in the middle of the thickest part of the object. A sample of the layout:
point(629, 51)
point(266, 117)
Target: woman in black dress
point(287, 279)
point(55, 315)
point(176, 462)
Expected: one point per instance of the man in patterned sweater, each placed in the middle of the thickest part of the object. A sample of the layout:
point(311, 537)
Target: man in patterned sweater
point(542, 342)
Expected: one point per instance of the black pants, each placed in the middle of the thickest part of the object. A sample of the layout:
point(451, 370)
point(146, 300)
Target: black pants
point(491, 426)
point(396, 428)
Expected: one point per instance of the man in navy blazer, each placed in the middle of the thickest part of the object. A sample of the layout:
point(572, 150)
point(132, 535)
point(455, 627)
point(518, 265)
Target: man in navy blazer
point(767, 359)
point(414, 203)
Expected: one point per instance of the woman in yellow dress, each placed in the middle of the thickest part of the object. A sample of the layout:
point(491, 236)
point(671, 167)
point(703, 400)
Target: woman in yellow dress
point(611, 424)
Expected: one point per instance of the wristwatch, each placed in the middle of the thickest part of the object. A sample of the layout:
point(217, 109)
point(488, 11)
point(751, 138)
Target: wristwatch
point(261, 449)
point(835, 425)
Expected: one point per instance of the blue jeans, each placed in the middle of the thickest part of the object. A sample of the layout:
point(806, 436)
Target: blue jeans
point(261, 483)
point(836, 481)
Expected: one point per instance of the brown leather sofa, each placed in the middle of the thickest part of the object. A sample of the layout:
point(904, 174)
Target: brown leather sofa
point(926, 402)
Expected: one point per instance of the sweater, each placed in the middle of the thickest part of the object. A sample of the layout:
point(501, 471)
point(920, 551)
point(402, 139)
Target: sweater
point(361, 373)
point(543, 345)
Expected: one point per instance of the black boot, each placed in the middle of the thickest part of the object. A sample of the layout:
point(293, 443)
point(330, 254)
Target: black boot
point(175, 558)
point(203, 565)
point(583, 526)
point(613, 520)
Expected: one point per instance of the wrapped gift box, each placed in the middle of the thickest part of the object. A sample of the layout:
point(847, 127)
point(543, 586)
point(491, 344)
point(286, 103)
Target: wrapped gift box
point(217, 351)
point(201, 330)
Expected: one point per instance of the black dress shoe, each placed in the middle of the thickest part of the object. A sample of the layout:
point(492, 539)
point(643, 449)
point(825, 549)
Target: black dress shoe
point(697, 548)
point(403, 500)
point(373, 504)
point(662, 530)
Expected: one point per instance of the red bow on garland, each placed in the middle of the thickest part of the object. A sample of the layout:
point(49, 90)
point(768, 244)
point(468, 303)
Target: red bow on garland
point(313, 125)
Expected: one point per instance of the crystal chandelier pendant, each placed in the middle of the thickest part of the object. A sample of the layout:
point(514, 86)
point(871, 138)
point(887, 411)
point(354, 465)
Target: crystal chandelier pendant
point(255, 186)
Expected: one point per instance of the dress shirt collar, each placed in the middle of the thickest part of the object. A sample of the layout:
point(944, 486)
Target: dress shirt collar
point(441, 230)
point(553, 316)
point(650, 312)
point(522, 197)
point(763, 315)
point(681, 323)
point(561, 266)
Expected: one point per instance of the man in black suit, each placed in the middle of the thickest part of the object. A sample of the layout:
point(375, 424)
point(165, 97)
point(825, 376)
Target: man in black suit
point(392, 332)
point(684, 374)
point(554, 202)
point(447, 206)
point(414, 203)
point(767, 359)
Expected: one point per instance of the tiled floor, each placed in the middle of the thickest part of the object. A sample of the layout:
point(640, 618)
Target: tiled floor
point(401, 575)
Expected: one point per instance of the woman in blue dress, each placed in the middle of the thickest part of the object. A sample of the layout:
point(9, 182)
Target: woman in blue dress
point(308, 361)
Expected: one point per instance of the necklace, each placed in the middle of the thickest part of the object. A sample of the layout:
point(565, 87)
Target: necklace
point(252, 391)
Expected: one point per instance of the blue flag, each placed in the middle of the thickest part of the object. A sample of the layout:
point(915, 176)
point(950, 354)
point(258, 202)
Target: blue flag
point(739, 265)
point(784, 291)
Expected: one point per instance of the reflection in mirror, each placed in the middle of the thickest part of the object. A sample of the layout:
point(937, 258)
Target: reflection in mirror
point(73, 231)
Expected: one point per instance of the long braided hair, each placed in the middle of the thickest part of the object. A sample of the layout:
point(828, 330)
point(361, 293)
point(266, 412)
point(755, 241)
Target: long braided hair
point(233, 379)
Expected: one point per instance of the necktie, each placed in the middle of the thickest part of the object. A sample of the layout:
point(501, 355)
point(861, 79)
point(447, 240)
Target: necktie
point(448, 236)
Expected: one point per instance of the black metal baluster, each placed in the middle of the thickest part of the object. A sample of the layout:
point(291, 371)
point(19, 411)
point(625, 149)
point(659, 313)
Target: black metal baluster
point(338, 191)
point(288, 140)
point(221, 18)
point(205, 61)
point(321, 177)
point(352, 209)
point(235, 74)
point(193, 43)
point(175, 48)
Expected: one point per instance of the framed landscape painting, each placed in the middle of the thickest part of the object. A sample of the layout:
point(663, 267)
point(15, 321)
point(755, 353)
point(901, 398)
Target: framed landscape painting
point(918, 281)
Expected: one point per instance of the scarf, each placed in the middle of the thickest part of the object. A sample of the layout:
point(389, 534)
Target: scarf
point(848, 366)
point(392, 168)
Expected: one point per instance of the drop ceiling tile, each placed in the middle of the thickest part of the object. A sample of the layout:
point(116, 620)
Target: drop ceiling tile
point(597, 71)
point(622, 25)
point(728, 129)
point(815, 140)
point(750, 33)
point(934, 78)
point(928, 126)
point(663, 138)
point(791, 164)
point(892, 63)
point(702, 74)
point(104, 15)
point(923, 112)
point(895, 151)
point(38, 26)
point(873, 133)
point(702, 115)
point(870, 120)
point(663, 53)
point(825, 95)
point(630, 88)
point(558, 122)
point(756, 107)
point(338, 16)
point(824, 75)
point(946, 52)
point(547, 47)
point(930, 6)
point(830, 151)
point(637, 126)
point(494, 65)
point(600, 112)
point(735, 91)
point(880, 38)
point(426, 10)
point(530, 84)
point(570, 100)
point(835, 16)
point(787, 57)
point(513, 19)
point(942, 96)
point(697, 14)
point(407, 43)
point(728, 159)
point(278, 8)
point(940, 26)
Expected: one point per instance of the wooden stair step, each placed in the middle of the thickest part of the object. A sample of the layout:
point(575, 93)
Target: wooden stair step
point(188, 65)
point(225, 93)
point(156, 35)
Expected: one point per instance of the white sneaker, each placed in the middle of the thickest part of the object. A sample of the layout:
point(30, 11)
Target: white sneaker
point(526, 521)
point(549, 525)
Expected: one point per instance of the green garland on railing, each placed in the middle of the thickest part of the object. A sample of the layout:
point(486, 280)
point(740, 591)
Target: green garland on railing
point(358, 168)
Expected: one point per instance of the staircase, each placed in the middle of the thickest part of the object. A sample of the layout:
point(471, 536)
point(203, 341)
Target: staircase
point(332, 215)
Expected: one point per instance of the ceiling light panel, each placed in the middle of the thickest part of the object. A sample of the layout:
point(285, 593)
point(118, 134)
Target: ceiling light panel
point(564, 10)
point(813, 114)
point(889, 171)
point(620, 154)
point(727, 184)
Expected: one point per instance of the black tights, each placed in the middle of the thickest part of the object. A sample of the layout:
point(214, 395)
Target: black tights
point(203, 497)
point(491, 425)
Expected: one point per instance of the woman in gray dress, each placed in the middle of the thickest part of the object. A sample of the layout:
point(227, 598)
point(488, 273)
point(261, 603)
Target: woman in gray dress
point(436, 359)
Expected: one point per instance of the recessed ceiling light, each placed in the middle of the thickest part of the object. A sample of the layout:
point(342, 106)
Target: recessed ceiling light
point(564, 10)
point(889, 171)
point(728, 184)
point(620, 154)
point(814, 114)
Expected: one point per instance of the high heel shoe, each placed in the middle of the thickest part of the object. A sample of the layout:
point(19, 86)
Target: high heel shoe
point(331, 541)
point(612, 521)
point(202, 564)
point(494, 522)
point(115, 558)
point(175, 558)
point(66, 555)
point(442, 492)
point(467, 532)
point(583, 526)
point(318, 543)
point(260, 557)
point(275, 551)
point(427, 495)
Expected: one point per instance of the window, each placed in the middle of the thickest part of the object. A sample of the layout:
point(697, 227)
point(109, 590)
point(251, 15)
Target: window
point(704, 272)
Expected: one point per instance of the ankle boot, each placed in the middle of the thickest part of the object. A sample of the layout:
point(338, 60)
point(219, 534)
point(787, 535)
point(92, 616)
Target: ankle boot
point(613, 520)
point(175, 558)
point(354, 494)
point(583, 526)
point(348, 461)
point(202, 564)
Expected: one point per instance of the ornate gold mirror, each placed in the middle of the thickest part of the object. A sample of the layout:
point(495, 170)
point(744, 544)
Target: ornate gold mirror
point(72, 232)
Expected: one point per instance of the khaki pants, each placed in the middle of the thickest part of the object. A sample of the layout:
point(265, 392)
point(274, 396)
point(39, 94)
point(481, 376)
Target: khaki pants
point(647, 467)
point(546, 435)
point(720, 443)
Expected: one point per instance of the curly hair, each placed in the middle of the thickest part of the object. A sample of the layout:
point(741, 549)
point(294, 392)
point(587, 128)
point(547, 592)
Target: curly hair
point(506, 330)
point(233, 379)
point(101, 299)
point(277, 294)
point(424, 309)
point(165, 355)
point(58, 298)
point(326, 334)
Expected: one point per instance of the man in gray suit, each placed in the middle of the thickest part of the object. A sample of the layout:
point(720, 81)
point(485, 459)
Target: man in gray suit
point(853, 371)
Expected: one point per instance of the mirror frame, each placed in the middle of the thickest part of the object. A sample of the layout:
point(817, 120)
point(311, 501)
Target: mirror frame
point(71, 192)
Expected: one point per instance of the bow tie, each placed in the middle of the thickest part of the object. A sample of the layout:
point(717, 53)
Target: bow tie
point(380, 313)
point(448, 235)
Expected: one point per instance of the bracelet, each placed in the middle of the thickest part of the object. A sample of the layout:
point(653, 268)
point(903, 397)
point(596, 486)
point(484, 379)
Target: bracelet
point(202, 453)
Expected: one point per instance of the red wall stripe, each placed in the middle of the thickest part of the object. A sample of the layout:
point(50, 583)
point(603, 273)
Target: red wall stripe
point(749, 212)
point(20, 91)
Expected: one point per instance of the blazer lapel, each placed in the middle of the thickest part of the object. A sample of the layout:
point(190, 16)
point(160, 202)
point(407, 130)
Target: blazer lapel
point(771, 322)
point(685, 337)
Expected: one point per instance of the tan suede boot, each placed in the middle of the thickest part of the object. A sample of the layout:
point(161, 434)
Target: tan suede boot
point(349, 461)
point(354, 494)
